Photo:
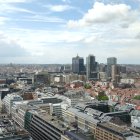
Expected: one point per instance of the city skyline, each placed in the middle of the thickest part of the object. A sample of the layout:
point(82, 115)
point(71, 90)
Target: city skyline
point(47, 32)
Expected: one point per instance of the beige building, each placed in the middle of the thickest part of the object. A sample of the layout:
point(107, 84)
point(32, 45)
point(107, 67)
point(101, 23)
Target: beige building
point(111, 131)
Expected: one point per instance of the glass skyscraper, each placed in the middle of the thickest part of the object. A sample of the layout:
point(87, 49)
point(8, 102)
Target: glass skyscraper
point(91, 67)
point(77, 64)
point(110, 61)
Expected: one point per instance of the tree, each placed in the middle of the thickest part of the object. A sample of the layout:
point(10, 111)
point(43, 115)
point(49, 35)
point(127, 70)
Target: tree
point(87, 86)
point(137, 97)
point(102, 96)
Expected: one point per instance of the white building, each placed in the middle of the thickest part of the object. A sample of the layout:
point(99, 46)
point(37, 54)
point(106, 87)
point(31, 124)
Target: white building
point(9, 100)
point(18, 111)
point(55, 109)
point(127, 81)
point(135, 118)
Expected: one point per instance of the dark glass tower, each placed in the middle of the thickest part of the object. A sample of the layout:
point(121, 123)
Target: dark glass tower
point(91, 67)
point(77, 65)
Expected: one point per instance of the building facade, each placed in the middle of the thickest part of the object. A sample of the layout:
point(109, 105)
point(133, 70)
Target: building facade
point(77, 65)
point(9, 100)
point(110, 61)
point(91, 67)
point(115, 73)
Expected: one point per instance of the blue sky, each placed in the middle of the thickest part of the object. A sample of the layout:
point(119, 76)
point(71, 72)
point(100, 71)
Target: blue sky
point(54, 31)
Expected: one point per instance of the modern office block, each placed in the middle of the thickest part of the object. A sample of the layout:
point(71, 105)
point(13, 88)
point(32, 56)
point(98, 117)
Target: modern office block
point(77, 65)
point(110, 131)
point(9, 100)
point(91, 67)
point(110, 61)
point(43, 126)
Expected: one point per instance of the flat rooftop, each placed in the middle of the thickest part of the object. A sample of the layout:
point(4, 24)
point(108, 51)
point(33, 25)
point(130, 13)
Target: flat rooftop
point(79, 135)
point(122, 131)
point(53, 120)
point(8, 129)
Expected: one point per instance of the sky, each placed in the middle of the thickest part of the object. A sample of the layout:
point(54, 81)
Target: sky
point(54, 31)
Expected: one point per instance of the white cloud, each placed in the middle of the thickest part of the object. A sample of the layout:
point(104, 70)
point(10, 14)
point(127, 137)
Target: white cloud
point(101, 13)
point(58, 8)
point(3, 20)
point(134, 27)
point(49, 46)
point(128, 51)
point(59, 45)
point(14, 1)
point(42, 18)
point(8, 8)
point(66, 1)
point(10, 48)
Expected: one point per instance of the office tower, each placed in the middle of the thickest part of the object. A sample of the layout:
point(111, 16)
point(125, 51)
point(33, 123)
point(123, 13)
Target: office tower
point(123, 69)
point(91, 67)
point(62, 68)
point(115, 73)
point(110, 61)
point(102, 67)
point(67, 68)
point(77, 65)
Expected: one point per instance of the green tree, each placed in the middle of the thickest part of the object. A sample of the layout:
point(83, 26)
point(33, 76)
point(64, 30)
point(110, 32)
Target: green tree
point(87, 86)
point(102, 96)
point(137, 97)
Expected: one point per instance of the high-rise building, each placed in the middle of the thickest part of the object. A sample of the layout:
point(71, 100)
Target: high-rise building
point(77, 64)
point(102, 67)
point(91, 67)
point(115, 73)
point(110, 61)
point(123, 69)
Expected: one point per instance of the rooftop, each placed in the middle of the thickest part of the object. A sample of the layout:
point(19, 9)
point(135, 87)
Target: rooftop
point(8, 129)
point(118, 130)
point(83, 115)
point(53, 120)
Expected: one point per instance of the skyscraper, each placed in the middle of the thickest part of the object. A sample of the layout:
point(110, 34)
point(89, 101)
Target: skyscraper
point(91, 67)
point(77, 64)
point(110, 61)
point(115, 73)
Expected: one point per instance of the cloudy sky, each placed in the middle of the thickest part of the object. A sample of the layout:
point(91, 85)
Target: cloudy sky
point(54, 31)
